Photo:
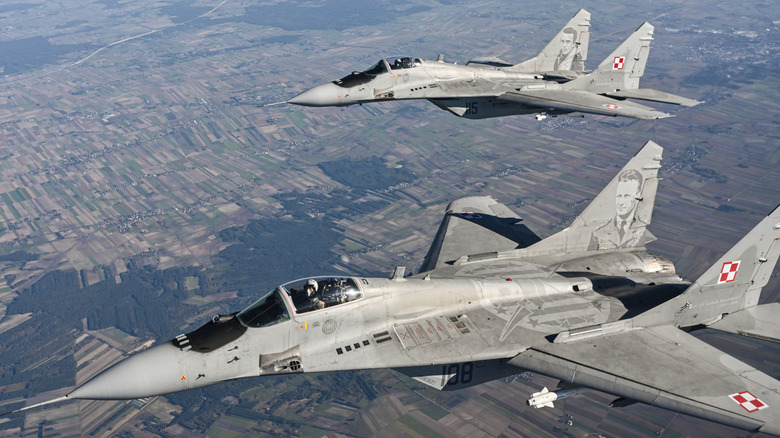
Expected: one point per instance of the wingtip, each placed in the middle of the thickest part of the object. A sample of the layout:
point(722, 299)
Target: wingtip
point(684, 101)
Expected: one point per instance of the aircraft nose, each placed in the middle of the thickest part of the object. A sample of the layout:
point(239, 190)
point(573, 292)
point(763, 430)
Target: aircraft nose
point(322, 95)
point(158, 370)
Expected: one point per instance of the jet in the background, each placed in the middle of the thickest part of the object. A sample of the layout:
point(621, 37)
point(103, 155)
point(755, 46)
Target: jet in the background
point(552, 83)
point(589, 306)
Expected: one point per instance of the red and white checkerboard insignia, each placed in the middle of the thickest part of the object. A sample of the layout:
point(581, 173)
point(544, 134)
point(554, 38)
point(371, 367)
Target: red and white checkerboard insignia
point(750, 402)
point(728, 272)
point(470, 215)
point(618, 64)
point(611, 106)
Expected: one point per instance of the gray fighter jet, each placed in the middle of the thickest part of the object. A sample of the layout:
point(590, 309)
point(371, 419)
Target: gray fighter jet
point(552, 83)
point(588, 305)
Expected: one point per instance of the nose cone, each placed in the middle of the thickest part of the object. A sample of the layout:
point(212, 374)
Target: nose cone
point(322, 95)
point(158, 370)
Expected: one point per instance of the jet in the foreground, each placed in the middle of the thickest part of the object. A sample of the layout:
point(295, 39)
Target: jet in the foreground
point(588, 306)
point(552, 83)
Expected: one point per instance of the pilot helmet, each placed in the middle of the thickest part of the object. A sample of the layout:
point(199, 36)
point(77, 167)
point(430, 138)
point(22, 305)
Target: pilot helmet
point(313, 284)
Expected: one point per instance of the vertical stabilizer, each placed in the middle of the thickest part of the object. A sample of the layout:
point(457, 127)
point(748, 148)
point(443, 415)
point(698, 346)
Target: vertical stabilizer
point(619, 215)
point(568, 51)
point(747, 266)
point(622, 69)
point(733, 283)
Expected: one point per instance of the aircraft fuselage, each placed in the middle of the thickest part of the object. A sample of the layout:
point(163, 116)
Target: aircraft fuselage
point(460, 89)
point(380, 322)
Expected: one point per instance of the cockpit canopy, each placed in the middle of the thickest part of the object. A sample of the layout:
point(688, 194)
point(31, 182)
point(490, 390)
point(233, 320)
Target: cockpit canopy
point(402, 63)
point(329, 291)
point(383, 66)
point(271, 309)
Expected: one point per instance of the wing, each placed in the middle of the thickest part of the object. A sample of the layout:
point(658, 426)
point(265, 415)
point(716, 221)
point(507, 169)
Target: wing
point(664, 367)
point(582, 101)
point(654, 96)
point(476, 225)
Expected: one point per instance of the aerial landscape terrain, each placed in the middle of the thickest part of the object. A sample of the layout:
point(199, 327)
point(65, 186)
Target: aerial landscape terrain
point(151, 177)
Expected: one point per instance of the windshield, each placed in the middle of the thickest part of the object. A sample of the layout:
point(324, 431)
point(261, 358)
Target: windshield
point(376, 69)
point(401, 63)
point(309, 294)
point(268, 310)
point(359, 78)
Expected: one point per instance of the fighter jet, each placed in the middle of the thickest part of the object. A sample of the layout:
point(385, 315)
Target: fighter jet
point(589, 306)
point(552, 83)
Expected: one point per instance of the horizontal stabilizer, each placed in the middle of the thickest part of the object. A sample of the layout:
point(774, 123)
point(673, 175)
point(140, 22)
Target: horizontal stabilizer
point(758, 322)
point(475, 225)
point(653, 96)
